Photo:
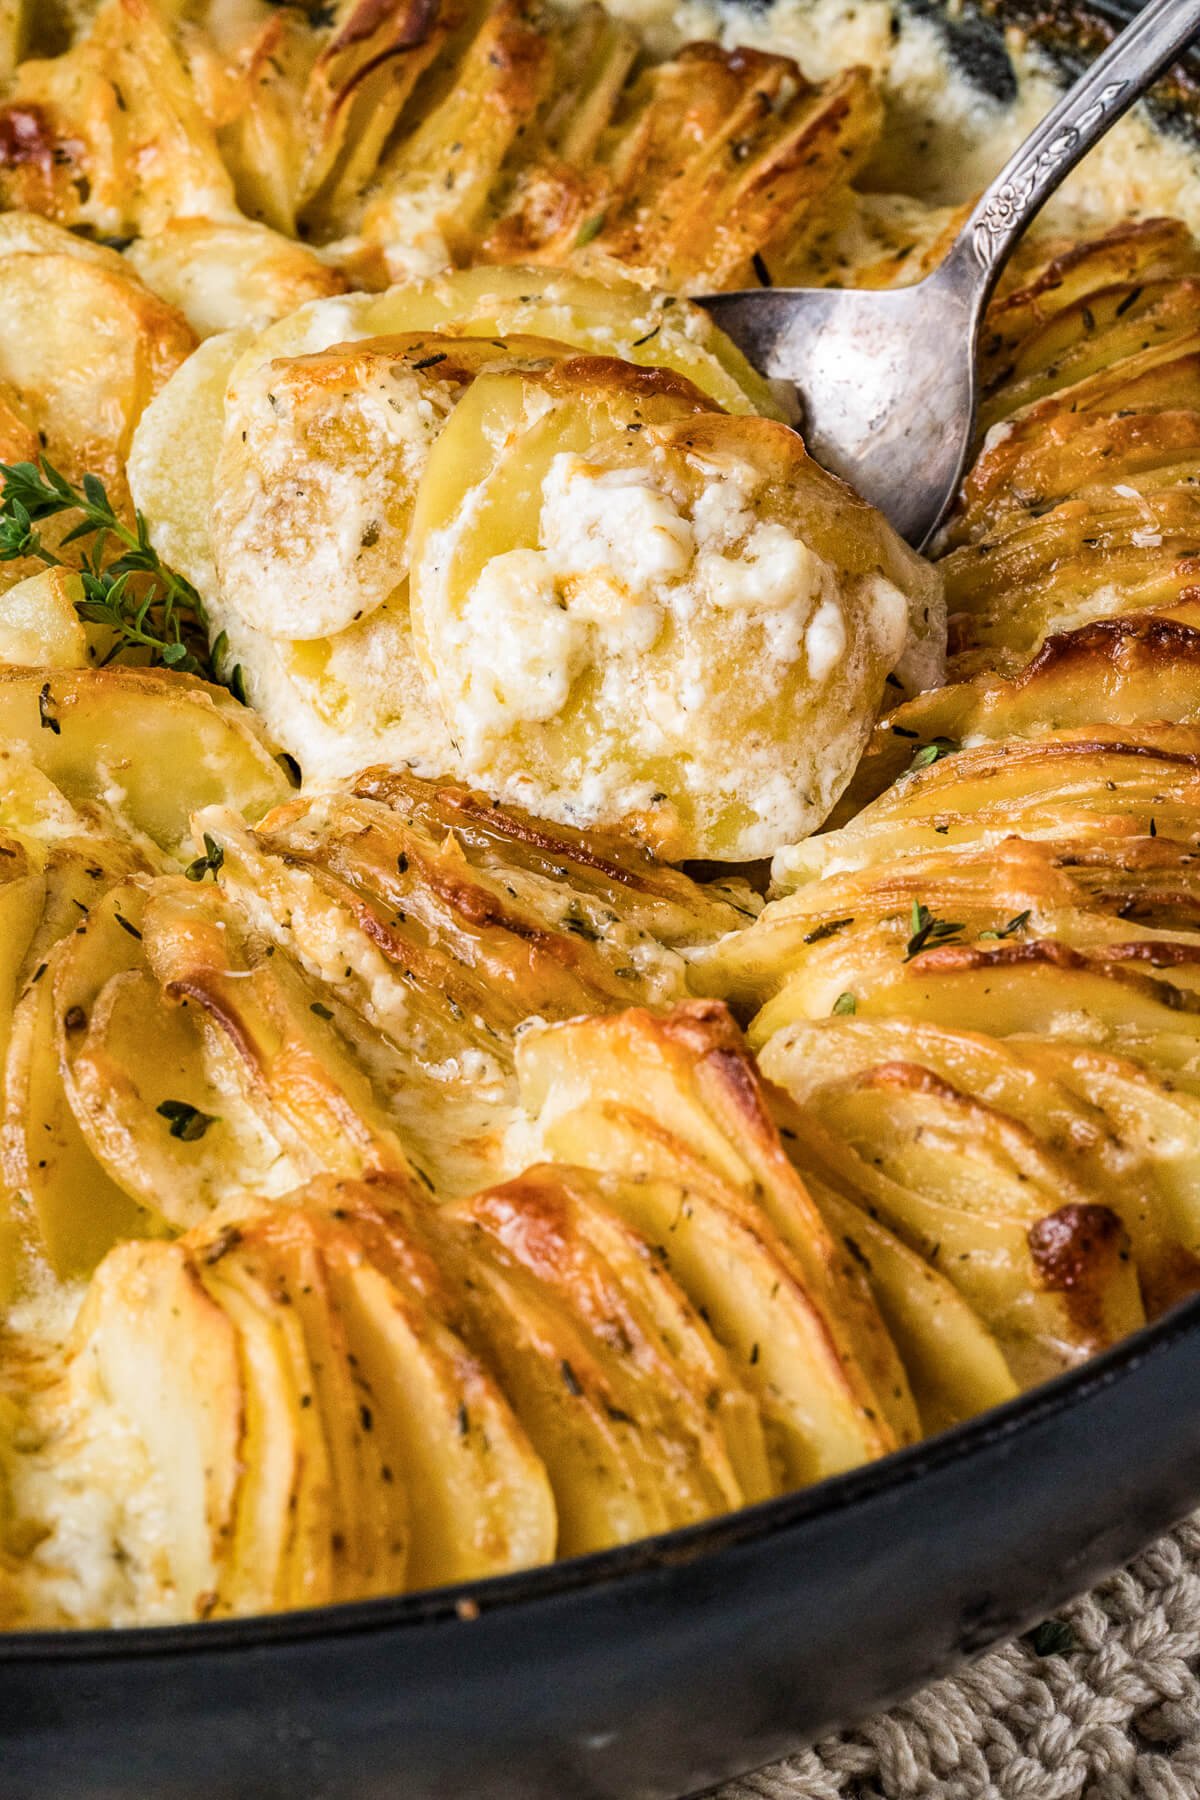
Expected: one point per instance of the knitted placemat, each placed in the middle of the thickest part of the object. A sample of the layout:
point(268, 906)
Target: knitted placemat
point(1115, 1717)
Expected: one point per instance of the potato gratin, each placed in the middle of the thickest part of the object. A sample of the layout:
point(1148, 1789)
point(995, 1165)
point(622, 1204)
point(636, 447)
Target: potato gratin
point(432, 1141)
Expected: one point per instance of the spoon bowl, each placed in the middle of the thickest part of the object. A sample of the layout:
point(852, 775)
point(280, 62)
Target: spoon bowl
point(886, 379)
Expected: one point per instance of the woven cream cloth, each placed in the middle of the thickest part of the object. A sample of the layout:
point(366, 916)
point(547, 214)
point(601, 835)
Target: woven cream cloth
point(1117, 1718)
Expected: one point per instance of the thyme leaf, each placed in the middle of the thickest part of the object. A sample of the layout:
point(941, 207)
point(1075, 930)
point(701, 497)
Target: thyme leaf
point(208, 864)
point(1009, 930)
point(926, 931)
point(186, 1122)
point(933, 752)
point(127, 587)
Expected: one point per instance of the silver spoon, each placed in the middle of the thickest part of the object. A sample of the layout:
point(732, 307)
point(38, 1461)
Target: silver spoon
point(887, 378)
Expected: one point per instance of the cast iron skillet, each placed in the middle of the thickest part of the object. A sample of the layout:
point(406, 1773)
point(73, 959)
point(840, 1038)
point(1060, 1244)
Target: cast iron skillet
point(661, 1669)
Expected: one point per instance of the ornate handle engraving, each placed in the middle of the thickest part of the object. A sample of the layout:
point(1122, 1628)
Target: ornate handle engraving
point(1148, 45)
point(1005, 205)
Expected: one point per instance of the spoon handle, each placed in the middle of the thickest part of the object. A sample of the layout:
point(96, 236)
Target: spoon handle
point(1148, 45)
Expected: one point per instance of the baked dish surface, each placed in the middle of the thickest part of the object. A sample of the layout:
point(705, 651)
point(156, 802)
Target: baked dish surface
point(556, 979)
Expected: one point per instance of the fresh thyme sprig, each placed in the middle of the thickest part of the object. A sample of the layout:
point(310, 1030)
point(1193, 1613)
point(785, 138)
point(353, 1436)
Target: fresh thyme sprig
point(146, 605)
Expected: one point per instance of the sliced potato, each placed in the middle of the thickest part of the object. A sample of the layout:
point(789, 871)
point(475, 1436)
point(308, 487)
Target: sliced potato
point(107, 735)
point(267, 1569)
point(670, 1377)
point(67, 1208)
point(141, 1094)
point(124, 144)
point(678, 583)
point(158, 1349)
point(1038, 986)
point(599, 317)
point(1157, 1127)
point(271, 1030)
point(368, 1513)
point(226, 275)
point(1112, 672)
point(679, 1099)
point(979, 1182)
point(85, 348)
point(39, 623)
point(319, 470)
point(477, 1493)
point(953, 1362)
point(173, 457)
point(313, 1548)
point(1089, 781)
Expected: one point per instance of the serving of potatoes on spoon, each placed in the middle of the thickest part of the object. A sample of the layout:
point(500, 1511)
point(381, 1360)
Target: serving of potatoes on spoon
point(550, 535)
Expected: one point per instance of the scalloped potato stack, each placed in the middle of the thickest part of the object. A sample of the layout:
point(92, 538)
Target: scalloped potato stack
point(573, 579)
point(409, 1172)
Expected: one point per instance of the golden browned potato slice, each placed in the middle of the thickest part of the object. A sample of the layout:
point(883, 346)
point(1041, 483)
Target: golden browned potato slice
point(314, 1556)
point(319, 470)
point(21, 896)
point(225, 274)
point(606, 873)
point(430, 193)
point(287, 1251)
point(641, 617)
point(1039, 986)
point(647, 1351)
point(610, 317)
point(84, 348)
point(712, 157)
point(107, 735)
point(122, 143)
point(954, 1364)
point(438, 923)
point(853, 930)
point(1130, 328)
point(22, 902)
point(68, 1210)
point(151, 1342)
point(357, 89)
point(1099, 782)
point(39, 623)
point(1157, 1126)
point(250, 73)
point(1081, 505)
point(679, 1100)
point(270, 1029)
point(1049, 1273)
point(1111, 672)
point(287, 1491)
point(1134, 251)
point(502, 947)
point(479, 1499)
point(1049, 1096)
